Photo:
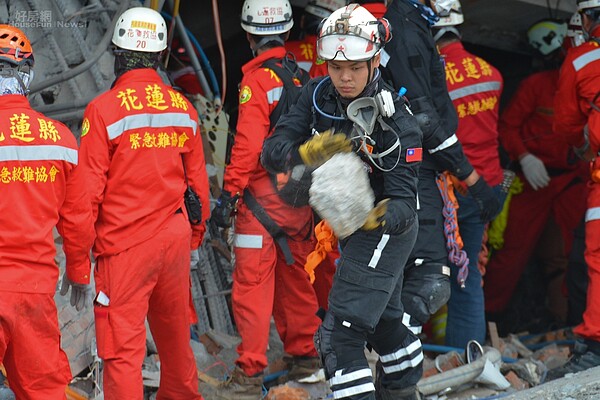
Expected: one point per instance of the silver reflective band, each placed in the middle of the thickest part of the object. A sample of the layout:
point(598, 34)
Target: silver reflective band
point(585, 59)
point(474, 89)
point(38, 153)
point(377, 252)
point(340, 379)
point(248, 241)
point(414, 347)
point(445, 144)
point(351, 391)
point(115, 130)
point(411, 363)
point(274, 94)
point(592, 214)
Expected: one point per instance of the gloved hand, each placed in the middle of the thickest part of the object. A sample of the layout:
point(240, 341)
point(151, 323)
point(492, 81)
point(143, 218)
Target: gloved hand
point(486, 200)
point(226, 204)
point(194, 259)
point(375, 219)
point(81, 295)
point(534, 171)
point(321, 148)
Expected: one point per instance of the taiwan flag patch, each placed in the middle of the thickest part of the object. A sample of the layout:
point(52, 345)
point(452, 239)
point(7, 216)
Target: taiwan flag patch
point(414, 154)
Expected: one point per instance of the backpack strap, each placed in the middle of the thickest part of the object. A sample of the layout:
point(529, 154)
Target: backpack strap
point(280, 237)
point(287, 70)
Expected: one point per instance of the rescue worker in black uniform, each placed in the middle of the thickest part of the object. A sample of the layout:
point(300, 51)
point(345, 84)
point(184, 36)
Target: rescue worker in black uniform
point(364, 302)
point(413, 63)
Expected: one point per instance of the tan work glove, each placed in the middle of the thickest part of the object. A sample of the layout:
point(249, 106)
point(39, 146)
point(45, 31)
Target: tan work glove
point(321, 148)
point(375, 217)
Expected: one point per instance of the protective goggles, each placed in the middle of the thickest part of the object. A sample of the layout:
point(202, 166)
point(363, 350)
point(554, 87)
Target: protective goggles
point(346, 48)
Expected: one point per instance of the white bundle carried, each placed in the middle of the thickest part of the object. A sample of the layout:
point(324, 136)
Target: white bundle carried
point(341, 194)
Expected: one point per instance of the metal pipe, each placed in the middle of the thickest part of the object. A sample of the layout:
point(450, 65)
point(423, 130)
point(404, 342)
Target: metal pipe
point(83, 47)
point(100, 49)
point(56, 50)
point(208, 93)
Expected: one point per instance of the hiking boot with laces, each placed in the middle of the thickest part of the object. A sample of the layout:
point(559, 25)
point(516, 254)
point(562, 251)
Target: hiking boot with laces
point(299, 367)
point(586, 354)
point(241, 387)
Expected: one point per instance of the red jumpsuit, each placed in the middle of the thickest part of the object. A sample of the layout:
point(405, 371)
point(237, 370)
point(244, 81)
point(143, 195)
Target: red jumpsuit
point(578, 86)
point(263, 285)
point(526, 127)
point(39, 188)
point(304, 50)
point(135, 139)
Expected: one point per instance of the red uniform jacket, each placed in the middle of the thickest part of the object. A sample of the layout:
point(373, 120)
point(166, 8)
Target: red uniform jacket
point(305, 51)
point(475, 88)
point(40, 188)
point(259, 94)
point(135, 139)
point(526, 123)
point(578, 85)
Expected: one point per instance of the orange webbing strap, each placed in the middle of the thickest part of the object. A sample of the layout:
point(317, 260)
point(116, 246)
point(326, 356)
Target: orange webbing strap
point(454, 184)
point(326, 242)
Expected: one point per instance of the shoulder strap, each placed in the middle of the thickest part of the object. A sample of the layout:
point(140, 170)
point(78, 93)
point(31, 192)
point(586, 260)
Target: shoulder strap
point(287, 70)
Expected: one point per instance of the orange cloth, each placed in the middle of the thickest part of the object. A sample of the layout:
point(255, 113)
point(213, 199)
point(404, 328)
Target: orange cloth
point(326, 243)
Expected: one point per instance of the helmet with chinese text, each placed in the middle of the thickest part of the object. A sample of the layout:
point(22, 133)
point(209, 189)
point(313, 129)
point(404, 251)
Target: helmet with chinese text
point(141, 29)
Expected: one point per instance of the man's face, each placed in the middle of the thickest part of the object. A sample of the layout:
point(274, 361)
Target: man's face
point(351, 77)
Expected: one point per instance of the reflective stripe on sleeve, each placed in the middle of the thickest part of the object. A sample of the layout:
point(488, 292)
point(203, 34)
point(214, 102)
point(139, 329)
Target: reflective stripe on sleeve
point(445, 144)
point(592, 214)
point(585, 59)
point(129, 122)
point(474, 89)
point(248, 241)
point(38, 153)
point(274, 94)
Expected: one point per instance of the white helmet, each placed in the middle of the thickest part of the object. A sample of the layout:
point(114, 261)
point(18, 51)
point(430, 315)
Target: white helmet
point(442, 7)
point(585, 4)
point(267, 17)
point(575, 30)
point(547, 35)
point(352, 33)
point(323, 8)
point(449, 22)
point(141, 29)
point(455, 17)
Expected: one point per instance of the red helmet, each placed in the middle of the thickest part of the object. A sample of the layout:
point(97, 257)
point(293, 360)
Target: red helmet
point(14, 46)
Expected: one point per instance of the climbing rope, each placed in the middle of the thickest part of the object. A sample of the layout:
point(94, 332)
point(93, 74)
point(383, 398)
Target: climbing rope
point(454, 243)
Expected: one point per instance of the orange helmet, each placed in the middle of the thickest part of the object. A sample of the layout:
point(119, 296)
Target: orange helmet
point(14, 46)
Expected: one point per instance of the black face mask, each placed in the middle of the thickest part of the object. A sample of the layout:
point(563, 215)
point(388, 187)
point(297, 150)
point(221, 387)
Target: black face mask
point(126, 60)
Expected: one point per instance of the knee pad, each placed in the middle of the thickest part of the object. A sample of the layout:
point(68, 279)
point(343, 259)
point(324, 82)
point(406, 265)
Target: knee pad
point(426, 288)
point(338, 345)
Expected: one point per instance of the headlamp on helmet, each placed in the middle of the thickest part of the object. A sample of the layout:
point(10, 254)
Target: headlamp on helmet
point(352, 33)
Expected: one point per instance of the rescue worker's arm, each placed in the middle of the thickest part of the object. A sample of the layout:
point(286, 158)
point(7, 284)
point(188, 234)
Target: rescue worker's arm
point(442, 145)
point(94, 156)
point(76, 227)
point(280, 151)
point(195, 167)
point(520, 108)
point(568, 118)
point(252, 129)
point(400, 184)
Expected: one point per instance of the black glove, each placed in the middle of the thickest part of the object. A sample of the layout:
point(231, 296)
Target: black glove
point(486, 200)
point(221, 215)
